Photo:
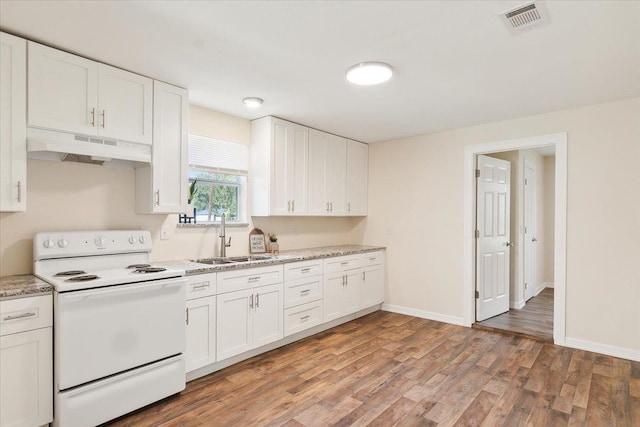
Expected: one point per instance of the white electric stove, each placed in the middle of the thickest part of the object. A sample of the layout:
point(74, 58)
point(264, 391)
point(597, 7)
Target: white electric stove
point(119, 319)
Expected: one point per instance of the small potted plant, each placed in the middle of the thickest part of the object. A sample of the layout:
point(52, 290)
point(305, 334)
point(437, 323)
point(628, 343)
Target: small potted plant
point(274, 247)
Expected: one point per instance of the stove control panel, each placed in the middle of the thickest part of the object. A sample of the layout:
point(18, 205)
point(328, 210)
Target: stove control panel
point(86, 243)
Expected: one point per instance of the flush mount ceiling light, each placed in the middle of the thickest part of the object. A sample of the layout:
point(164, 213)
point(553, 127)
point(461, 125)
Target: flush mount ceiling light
point(253, 102)
point(369, 73)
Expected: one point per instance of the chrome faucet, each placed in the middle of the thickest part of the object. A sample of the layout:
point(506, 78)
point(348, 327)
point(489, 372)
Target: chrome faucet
point(223, 238)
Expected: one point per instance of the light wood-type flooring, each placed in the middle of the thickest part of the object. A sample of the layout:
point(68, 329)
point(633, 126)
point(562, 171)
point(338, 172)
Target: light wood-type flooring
point(535, 319)
point(388, 369)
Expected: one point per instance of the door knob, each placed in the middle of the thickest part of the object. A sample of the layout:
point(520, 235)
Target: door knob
point(509, 244)
point(534, 239)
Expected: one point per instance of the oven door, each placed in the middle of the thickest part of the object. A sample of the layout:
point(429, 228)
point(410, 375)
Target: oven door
point(104, 331)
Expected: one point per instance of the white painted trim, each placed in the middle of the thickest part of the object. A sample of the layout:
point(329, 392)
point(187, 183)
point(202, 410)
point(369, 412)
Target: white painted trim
point(470, 152)
point(516, 304)
point(539, 288)
point(611, 350)
point(423, 314)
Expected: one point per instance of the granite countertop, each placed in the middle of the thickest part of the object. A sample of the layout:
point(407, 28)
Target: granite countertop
point(23, 285)
point(190, 267)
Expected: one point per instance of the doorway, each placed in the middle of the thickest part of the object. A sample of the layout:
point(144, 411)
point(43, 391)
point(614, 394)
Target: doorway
point(559, 141)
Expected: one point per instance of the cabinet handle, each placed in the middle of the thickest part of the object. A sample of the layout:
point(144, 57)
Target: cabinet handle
point(327, 206)
point(305, 292)
point(20, 316)
point(200, 286)
point(305, 270)
point(187, 310)
point(293, 206)
point(257, 300)
point(157, 197)
point(19, 191)
point(348, 207)
point(344, 263)
point(330, 206)
point(104, 118)
point(251, 301)
point(289, 206)
point(305, 318)
point(343, 277)
point(93, 117)
point(363, 276)
point(254, 279)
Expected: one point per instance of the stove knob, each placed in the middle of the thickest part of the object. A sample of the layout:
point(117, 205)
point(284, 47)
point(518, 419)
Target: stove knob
point(63, 243)
point(132, 239)
point(142, 239)
point(100, 241)
point(49, 243)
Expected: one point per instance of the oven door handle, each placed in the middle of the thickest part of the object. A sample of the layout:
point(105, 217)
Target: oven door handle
point(122, 289)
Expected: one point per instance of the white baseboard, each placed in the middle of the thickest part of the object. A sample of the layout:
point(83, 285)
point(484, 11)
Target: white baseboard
point(547, 285)
point(424, 314)
point(611, 350)
point(517, 304)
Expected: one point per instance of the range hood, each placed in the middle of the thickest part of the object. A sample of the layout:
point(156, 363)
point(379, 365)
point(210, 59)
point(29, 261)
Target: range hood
point(60, 146)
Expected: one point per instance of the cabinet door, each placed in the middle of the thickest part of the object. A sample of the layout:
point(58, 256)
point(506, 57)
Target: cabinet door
point(26, 378)
point(125, 105)
point(357, 181)
point(351, 293)
point(372, 291)
point(13, 118)
point(63, 91)
point(318, 201)
point(336, 187)
point(169, 153)
point(201, 333)
point(290, 143)
point(234, 328)
point(267, 314)
point(333, 296)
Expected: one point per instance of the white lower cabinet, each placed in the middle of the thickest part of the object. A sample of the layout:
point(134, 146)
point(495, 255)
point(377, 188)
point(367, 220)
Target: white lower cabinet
point(201, 333)
point(341, 294)
point(372, 290)
point(248, 319)
point(26, 362)
point(302, 317)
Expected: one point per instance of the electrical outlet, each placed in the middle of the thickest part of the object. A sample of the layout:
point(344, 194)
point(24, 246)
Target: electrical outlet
point(164, 233)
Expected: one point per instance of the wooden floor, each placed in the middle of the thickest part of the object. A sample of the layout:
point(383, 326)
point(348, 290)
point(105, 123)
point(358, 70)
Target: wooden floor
point(535, 319)
point(388, 369)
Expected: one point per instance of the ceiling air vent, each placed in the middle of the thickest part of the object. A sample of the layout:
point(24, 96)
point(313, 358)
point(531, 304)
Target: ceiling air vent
point(524, 17)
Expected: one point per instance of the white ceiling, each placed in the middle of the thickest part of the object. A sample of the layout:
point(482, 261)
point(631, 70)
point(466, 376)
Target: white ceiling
point(455, 62)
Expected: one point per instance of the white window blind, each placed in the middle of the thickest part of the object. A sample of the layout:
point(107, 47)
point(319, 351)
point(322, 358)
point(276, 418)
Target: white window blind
point(219, 156)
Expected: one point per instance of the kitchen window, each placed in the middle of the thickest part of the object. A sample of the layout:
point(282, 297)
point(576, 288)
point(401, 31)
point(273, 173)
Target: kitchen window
point(220, 170)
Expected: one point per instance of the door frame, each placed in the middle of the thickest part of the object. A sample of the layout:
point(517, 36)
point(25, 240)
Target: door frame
point(559, 140)
point(528, 164)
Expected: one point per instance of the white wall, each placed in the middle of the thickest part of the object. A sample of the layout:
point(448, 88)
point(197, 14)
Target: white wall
point(416, 210)
point(75, 196)
point(549, 207)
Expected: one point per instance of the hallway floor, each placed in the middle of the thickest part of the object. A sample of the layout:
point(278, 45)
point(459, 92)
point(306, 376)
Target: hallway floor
point(535, 319)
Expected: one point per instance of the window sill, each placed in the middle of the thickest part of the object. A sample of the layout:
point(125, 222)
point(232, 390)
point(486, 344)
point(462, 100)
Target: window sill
point(212, 225)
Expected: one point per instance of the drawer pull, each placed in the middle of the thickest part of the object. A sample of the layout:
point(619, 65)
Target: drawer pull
point(305, 292)
point(344, 263)
point(200, 286)
point(254, 279)
point(305, 318)
point(373, 258)
point(20, 316)
point(305, 270)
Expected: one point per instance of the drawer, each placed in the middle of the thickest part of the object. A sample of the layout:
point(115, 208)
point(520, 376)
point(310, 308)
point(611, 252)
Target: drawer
point(372, 258)
point(200, 285)
point(25, 314)
point(229, 281)
point(302, 317)
point(342, 263)
point(299, 270)
point(302, 291)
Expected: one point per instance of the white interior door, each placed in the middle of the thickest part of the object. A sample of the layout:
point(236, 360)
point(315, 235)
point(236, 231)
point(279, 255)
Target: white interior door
point(529, 230)
point(493, 245)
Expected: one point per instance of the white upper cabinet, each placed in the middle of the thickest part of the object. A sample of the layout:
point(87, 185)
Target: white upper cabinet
point(327, 173)
point(162, 186)
point(13, 145)
point(125, 105)
point(279, 163)
point(74, 94)
point(357, 178)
